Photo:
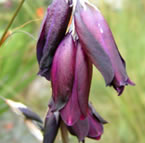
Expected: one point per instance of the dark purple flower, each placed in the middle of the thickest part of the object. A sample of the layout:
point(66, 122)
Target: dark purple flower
point(70, 63)
point(77, 105)
point(53, 30)
point(62, 74)
point(99, 44)
point(91, 126)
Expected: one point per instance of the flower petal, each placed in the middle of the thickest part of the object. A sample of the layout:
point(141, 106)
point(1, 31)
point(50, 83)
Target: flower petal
point(52, 32)
point(84, 20)
point(71, 113)
point(77, 106)
point(80, 129)
point(96, 127)
point(62, 74)
point(83, 76)
point(96, 114)
point(102, 48)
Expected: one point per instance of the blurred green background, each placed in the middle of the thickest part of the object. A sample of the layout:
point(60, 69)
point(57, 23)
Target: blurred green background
point(19, 80)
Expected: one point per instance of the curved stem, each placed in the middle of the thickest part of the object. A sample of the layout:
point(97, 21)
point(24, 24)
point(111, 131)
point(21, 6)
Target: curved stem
point(11, 22)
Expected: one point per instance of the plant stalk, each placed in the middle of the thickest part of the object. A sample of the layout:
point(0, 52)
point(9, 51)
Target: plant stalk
point(11, 22)
point(64, 133)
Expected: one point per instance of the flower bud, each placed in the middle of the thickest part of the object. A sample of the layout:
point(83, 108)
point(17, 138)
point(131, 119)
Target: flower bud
point(52, 123)
point(52, 32)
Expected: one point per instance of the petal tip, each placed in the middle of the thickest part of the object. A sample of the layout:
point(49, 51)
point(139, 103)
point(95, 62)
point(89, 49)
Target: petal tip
point(44, 73)
point(120, 90)
point(130, 82)
point(98, 137)
point(69, 122)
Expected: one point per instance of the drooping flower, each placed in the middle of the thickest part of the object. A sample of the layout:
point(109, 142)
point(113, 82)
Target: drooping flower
point(52, 32)
point(91, 126)
point(77, 105)
point(67, 60)
point(99, 44)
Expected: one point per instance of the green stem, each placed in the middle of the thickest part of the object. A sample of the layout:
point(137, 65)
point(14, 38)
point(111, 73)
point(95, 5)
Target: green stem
point(11, 22)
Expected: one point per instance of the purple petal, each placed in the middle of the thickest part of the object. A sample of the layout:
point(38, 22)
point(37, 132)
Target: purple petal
point(52, 123)
point(52, 32)
point(100, 45)
point(119, 86)
point(96, 127)
point(71, 113)
point(62, 74)
point(77, 106)
point(96, 114)
point(83, 76)
point(91, 126)
point(80, 129)
point(84, 19)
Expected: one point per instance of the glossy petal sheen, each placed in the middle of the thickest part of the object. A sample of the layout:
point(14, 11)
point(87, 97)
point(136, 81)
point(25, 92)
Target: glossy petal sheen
point(77, 106)
point(52, 32)
point(71, 113)
point(102, 49)
point(52, 124)
point(83, 21)
point(62, 74)
point(83, 76)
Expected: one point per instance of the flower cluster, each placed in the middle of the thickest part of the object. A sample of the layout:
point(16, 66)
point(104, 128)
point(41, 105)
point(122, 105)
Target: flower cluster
point(66, 54)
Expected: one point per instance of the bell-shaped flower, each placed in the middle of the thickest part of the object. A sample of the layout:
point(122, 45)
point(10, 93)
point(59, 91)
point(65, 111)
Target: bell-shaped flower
point(62, 73)
point(91, 126)
point(77, 105)
point(53, 30)
point(99, 44)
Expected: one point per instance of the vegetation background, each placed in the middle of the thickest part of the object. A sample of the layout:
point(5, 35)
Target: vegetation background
point(19, 80)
